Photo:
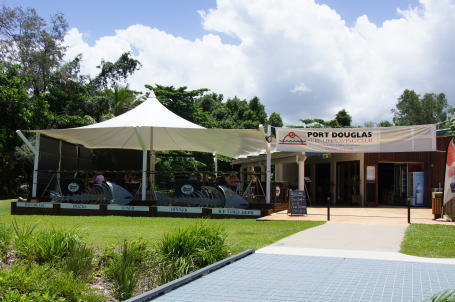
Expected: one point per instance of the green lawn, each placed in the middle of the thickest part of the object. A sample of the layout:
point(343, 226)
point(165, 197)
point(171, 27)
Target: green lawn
point(428, 240)
point(102, 231)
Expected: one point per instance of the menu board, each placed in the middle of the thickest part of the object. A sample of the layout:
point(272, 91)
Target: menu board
point(297, 202)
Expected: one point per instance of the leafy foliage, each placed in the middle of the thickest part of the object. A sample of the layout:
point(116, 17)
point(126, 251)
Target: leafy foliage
point(444, 296)
point(32, 42)
point(27, 282)
point(342, 119)
point(124, 267)
point(56, 247)
point(188, 249)
point(412, 109)
point(5, 239)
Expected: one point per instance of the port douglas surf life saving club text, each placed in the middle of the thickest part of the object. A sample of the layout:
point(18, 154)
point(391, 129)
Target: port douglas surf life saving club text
point(355, 140)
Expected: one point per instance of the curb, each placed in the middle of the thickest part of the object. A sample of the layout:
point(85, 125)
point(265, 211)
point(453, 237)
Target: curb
point(165, 288)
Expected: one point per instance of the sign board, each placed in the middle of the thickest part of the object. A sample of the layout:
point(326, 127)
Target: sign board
point(224, 211)
point(77, 206)
point(297, 202)
point(449, 185)
point(371, 173)
point(357, 140)
point(179, 210)
point(46, 205)
point(128, 208)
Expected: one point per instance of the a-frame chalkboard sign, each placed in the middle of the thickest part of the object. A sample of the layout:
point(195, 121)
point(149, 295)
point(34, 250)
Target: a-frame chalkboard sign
point(297, 202)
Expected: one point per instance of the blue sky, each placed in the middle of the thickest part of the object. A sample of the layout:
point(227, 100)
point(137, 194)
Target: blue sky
point(301, 59)
point(97, 18)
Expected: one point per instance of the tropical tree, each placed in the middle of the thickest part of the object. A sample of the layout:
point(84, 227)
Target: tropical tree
point(33, 43)
point(122, 99)
point(342, 119)
point(275, 120)
point(412, 109)
point(385, 124)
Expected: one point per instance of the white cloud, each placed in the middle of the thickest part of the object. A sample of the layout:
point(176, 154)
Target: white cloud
point(301, 87)
point(289, 46)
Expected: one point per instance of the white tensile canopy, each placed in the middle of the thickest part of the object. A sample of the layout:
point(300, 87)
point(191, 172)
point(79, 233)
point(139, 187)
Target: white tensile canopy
point(151, 126)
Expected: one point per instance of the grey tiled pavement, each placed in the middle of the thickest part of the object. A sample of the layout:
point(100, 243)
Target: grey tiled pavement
point(272, 277)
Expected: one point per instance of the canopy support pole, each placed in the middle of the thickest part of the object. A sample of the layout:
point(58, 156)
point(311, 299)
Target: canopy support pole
point(268, 168)
point(35, 150)
point(59, 181)
point(35, 167)
point(152, 166)
point(144, 165)
point(215, 163)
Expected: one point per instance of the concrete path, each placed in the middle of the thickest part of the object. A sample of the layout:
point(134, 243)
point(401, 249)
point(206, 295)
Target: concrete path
point(347, 237)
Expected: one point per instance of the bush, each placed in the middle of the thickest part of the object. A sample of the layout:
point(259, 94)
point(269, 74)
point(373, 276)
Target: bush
point(5, 240)
point(188, 249)
point(23, 239)
point(79, 262)
point(44, 281)
point(125, 267)
point(58, 247)
point(444, 296)
point(15, 296)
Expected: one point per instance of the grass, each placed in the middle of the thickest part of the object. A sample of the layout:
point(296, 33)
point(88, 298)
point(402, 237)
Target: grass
point(104, 231)
point(428, 240)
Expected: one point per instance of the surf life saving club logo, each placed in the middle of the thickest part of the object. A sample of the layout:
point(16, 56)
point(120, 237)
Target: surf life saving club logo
point(292, 139)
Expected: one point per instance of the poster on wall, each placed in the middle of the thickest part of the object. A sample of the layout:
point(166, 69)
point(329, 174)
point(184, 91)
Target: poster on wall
point(418, 185)
point(371, 173)
point(449, 186)
point(355, 140)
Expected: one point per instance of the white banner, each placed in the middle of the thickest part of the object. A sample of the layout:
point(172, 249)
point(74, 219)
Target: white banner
point(357, 140)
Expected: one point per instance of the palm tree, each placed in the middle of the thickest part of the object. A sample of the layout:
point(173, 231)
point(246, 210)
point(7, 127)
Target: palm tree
point(122, 99)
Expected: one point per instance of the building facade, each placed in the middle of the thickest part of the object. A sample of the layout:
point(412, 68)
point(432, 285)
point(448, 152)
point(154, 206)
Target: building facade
point(357, 179)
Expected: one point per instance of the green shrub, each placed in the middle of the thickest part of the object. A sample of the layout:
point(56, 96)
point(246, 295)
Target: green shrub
point(5, 240)
point(188, 249)
point(27, 279)
point(15, 296)
point(23, 239)
point(125, 267)
point(444, 296)
point(79, 262)
point(59, 247)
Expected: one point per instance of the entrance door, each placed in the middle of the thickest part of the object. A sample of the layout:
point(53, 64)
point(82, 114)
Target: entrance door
point(348, 183)
point(393, 183)
point(322, 183)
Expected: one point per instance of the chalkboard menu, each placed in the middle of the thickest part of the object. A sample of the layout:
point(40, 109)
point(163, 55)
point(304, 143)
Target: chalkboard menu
point(297, 202)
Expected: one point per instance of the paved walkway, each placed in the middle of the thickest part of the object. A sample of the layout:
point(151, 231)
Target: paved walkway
point(347, 236)
point(331, 262)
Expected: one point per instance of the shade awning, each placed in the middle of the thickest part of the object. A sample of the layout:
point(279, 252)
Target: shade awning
point(162, 130)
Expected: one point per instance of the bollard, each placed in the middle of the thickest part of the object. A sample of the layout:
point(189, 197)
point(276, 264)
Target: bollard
point(328, 208)
point(409, 211)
